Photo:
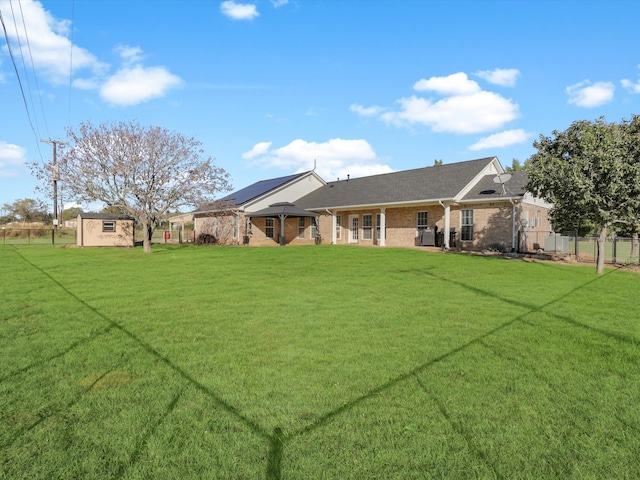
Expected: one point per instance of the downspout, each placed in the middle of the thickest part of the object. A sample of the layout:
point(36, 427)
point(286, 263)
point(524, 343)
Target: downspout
point(334, 238)
point(513, 225)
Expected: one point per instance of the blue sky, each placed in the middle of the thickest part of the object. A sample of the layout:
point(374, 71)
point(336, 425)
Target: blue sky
point(357, 86)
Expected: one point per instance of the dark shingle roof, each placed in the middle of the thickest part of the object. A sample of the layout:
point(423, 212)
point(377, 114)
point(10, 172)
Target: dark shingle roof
point(428, 183)
point(487, 189)
point(105, 216)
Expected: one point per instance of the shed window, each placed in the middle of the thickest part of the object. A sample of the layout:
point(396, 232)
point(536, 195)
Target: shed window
point(108, 226)
point(269, 227)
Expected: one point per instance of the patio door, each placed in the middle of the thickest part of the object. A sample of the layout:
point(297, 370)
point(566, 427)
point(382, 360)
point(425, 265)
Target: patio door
point(353, 228)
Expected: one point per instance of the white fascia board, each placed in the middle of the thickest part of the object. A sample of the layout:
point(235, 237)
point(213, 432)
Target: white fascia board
point(508, 200)
point(537, 201)
point(289, 192)
point(492, 167)
point(412, 203)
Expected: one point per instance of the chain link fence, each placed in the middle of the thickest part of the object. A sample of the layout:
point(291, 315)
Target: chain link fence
point(37, 236)
point(617, 250)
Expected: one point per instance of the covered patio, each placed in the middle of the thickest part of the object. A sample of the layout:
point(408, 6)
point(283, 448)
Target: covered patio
point(282, 211)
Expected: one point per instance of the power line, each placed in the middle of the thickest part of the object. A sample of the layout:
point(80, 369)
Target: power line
point(15, 67)
point(33, 68)
point(73, 12)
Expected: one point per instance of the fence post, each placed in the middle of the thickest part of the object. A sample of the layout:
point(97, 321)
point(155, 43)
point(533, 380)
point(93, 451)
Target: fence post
point(615, 245)
point(53, 236)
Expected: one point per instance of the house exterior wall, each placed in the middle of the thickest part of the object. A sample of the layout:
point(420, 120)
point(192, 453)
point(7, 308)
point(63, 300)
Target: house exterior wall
point(258, 232)
point(227, 227)
point(538, 225)
point(91, 234)
point(492, 225)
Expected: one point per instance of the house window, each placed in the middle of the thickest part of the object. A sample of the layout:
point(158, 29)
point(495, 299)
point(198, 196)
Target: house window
point(235, 226)
point(366, 227)
point(301, 227)
point(377, 226)
point(108, 226)
point(314, 227)
point(338, 226)
point(421, 221)
point(268, 230)
point(466, 233)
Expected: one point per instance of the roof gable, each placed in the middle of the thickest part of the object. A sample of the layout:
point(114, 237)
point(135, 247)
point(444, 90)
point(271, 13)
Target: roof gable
point(488, 189)
point(255, 190)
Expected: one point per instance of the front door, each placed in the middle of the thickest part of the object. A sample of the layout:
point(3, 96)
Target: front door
point(353, 228)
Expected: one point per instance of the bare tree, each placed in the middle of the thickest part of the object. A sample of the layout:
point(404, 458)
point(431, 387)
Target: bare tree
point(144, 172)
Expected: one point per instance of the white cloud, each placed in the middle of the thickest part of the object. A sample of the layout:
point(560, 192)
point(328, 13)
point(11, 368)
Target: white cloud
point(454, 84)
point(49, 46)
point(500, 140)
point(588, 95)
point(130, 54)
point(629, 85)
point(476, 113)
point(366, 111)
point(239, 11)
point(137, 84)
point(50, 49)
point(335, 158)
point(258, 149)
point(505, 77)
point(11, 157)
point(465, 108)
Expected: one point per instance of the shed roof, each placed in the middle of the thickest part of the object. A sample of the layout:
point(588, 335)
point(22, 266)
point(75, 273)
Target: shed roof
point(421, 184)
point(105, 216)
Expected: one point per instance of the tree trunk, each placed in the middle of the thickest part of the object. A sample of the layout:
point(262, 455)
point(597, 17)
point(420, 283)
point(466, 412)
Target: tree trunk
point(635, 248)
point(146, 239)
point(601, 245)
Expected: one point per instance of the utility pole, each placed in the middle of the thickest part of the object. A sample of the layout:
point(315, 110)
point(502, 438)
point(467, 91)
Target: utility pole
point(55, 176)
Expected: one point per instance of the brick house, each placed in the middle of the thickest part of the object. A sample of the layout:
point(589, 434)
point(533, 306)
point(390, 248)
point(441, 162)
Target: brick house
point(467, 205)
point(228, 219)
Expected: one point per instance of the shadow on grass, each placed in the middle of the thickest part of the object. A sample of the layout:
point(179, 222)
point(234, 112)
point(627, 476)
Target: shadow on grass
point(277, 439)
point(53, 412)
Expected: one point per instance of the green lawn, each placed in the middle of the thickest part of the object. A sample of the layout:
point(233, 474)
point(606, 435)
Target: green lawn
point(314, 362)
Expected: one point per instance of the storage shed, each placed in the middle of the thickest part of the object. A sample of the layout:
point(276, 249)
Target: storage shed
point(105, 230)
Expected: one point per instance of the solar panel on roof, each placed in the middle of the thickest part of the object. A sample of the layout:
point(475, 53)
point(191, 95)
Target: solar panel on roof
point(259, 188)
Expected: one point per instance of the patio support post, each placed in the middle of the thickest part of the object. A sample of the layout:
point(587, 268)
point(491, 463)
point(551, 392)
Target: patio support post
point(383, 227)
point(447, 224)
point(334, 229)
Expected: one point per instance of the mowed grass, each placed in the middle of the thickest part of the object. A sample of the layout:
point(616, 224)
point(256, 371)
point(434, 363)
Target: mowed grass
point(314, 362)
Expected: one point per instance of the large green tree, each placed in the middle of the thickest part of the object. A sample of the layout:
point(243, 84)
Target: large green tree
point(144, 172)
point(590, 174)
